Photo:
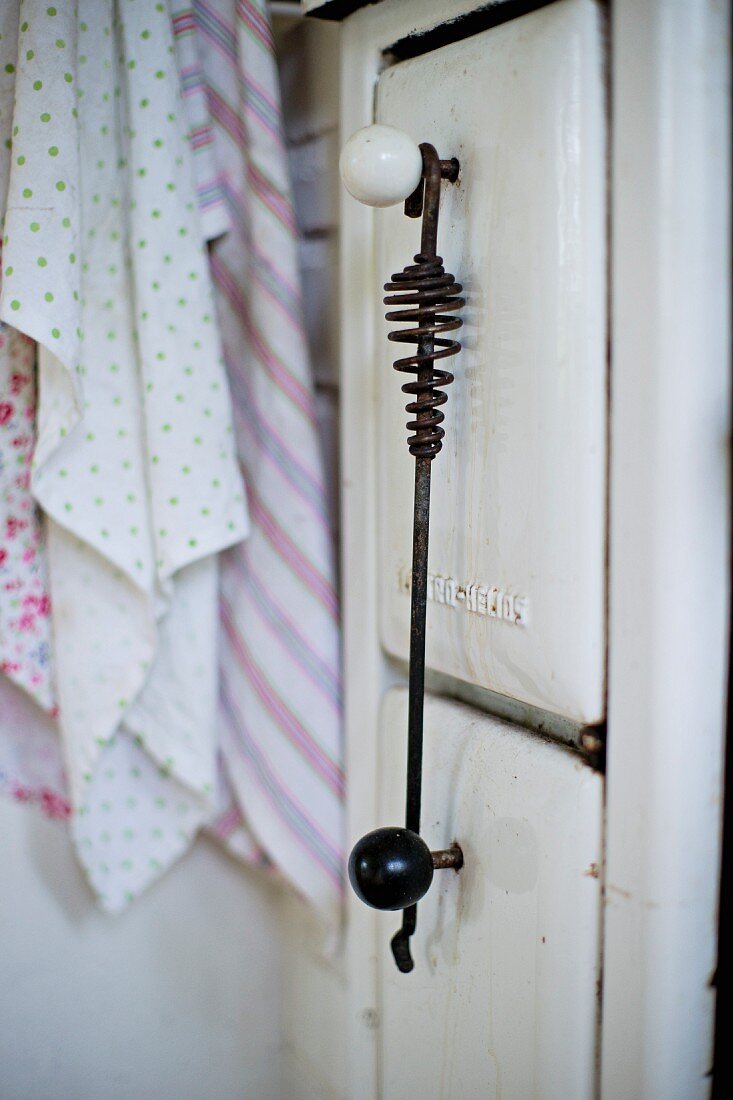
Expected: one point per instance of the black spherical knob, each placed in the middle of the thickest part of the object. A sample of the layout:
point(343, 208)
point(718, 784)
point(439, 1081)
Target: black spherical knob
point(391, 868)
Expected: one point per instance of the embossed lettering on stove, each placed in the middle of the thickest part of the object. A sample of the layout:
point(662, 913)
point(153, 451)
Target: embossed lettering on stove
point(480, 599)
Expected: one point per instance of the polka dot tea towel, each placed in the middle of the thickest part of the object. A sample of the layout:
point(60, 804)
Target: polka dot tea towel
point(104, 266)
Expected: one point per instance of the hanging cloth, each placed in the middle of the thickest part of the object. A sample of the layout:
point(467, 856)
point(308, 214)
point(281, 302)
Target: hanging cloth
point(104, 266)
point(281, 696)
point(25, 623)
point(281, 699)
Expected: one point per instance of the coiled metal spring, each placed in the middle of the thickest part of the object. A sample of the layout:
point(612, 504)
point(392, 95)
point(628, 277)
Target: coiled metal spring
point(431, 295)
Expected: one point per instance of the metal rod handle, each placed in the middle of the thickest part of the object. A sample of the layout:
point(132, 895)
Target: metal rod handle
point(392, 868)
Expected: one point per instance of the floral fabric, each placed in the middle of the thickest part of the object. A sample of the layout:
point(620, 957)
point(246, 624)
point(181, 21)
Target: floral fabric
point(25, 624)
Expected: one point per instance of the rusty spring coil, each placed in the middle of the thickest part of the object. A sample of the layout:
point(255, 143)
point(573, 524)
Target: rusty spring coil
point(430, 294)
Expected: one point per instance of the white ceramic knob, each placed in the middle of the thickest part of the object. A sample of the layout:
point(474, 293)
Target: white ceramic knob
point(380, 165)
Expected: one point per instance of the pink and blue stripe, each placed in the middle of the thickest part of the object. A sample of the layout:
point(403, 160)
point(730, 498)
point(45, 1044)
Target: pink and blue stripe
point(281, 686)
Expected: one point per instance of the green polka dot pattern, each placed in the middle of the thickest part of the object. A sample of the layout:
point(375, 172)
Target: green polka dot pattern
point(101, 241)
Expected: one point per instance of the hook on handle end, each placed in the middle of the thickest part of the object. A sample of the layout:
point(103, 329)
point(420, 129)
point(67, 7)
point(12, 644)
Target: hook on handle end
point(400, 945)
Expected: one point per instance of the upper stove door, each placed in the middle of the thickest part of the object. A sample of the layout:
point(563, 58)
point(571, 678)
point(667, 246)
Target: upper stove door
point(517, 527)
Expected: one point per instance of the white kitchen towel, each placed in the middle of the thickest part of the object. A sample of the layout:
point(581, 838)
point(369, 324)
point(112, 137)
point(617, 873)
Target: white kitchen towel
point(104, 266)
point(281, 699)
